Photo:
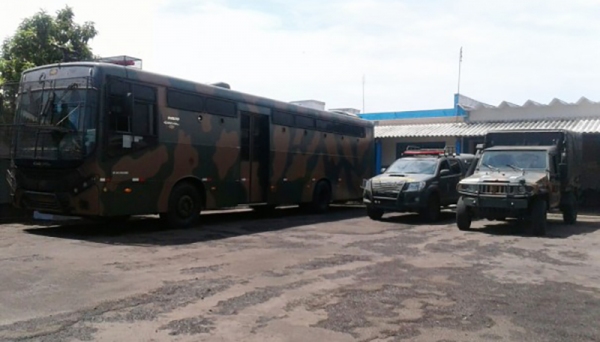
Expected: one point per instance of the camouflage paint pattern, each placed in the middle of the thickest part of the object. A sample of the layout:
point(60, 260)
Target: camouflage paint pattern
point(205, 149)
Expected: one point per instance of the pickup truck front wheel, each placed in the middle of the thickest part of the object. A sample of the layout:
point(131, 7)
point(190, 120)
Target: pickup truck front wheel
point(431, 213)
point(374, 213)
point(463, 217)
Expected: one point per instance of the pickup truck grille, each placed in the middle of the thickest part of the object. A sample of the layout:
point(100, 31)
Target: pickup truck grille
point(388, 190)
point(387, 187)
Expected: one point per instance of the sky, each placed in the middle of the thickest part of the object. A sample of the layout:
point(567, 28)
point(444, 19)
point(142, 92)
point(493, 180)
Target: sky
point(406, 51)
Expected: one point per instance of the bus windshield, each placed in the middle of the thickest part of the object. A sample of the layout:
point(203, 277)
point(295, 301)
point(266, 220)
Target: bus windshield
point(55, 123)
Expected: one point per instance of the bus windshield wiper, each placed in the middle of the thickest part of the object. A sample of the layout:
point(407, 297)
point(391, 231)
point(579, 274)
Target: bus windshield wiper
point(48, 104)
point(67, 115)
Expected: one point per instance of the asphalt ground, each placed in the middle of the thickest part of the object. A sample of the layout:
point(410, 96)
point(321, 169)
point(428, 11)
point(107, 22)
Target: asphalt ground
point(289, 276)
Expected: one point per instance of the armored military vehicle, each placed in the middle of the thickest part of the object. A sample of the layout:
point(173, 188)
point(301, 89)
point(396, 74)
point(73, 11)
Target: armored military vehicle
point(523, 174)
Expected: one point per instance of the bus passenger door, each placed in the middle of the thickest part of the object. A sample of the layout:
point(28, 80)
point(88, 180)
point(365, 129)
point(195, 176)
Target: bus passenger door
point(255, 152)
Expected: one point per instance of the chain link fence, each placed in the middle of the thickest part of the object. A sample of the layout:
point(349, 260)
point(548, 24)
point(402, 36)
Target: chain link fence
point(8, 105)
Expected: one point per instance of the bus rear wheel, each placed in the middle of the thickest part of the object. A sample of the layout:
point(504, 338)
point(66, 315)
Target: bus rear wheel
point(184, 206)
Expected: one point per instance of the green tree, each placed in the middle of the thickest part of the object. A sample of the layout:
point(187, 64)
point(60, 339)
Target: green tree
point(43, 39)
point(40, 39)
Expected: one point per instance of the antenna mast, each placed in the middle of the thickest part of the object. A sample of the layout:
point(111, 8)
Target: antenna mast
point(458, 91)
point(459, 67)
point(363, 86)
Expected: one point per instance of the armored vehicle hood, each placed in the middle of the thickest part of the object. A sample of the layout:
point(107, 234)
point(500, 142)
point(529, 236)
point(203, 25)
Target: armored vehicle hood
point(507, 177)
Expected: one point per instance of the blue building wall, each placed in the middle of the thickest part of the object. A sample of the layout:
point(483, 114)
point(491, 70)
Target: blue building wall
point(417, 114)
point(414, 114)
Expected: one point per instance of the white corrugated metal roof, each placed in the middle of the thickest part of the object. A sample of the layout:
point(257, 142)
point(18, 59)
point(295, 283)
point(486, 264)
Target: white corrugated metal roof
point(481, 128)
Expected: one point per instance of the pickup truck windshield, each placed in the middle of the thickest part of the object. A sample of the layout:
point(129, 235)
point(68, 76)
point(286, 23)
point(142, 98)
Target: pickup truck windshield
point(415, 166)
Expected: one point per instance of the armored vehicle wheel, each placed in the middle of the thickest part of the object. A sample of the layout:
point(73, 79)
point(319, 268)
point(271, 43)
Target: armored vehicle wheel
point(569, 210)
point(321, 198)
point(431, 213)
point(463, 217)
point(538, 219)
point(184, 206)
point(374, 213)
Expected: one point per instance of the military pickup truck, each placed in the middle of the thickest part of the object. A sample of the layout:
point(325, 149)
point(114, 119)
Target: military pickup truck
point(420, 181)
point(523, 174)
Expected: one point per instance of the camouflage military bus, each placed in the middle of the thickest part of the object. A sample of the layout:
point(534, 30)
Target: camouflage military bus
point(107, 141)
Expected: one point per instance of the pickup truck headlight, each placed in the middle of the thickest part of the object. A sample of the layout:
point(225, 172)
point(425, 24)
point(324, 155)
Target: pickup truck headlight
point(467, 187)
point(415, 186)
point(366, 185)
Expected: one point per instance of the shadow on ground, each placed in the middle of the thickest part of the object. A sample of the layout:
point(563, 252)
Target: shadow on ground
point(446, 217)
point(556, 229)
point(150, 231)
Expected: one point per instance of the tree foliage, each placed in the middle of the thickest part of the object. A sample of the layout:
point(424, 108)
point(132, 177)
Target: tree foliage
point(40, 39)
point(44, 39)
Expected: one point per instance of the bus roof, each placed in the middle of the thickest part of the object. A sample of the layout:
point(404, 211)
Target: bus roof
point(214, 89)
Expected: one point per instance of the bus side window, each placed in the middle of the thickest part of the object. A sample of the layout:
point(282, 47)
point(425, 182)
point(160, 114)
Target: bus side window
point(132, 117)
point(118, 110)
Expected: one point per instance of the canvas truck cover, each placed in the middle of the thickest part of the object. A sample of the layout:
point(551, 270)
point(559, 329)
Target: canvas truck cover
point(565, 141)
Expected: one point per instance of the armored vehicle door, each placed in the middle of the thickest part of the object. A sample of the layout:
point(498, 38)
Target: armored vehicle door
point(255, 155)
point(456, 174)
point(449, 175)
point(554, 185)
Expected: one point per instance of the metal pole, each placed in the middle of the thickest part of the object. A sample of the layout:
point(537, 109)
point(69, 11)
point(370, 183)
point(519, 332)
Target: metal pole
point(459, 69)
point(363, 86)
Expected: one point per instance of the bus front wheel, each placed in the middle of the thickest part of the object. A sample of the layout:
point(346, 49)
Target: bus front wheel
point(184, 206)
point(321, 198)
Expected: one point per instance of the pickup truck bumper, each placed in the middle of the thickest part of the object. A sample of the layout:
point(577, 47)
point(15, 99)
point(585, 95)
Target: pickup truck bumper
point(404, 202)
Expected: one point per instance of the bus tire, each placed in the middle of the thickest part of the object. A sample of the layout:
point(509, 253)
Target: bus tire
point(185, 204)
point(321, 198)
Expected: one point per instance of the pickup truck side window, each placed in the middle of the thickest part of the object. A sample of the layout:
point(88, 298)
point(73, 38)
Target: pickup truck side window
point(444, 165)
point(454, 166)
